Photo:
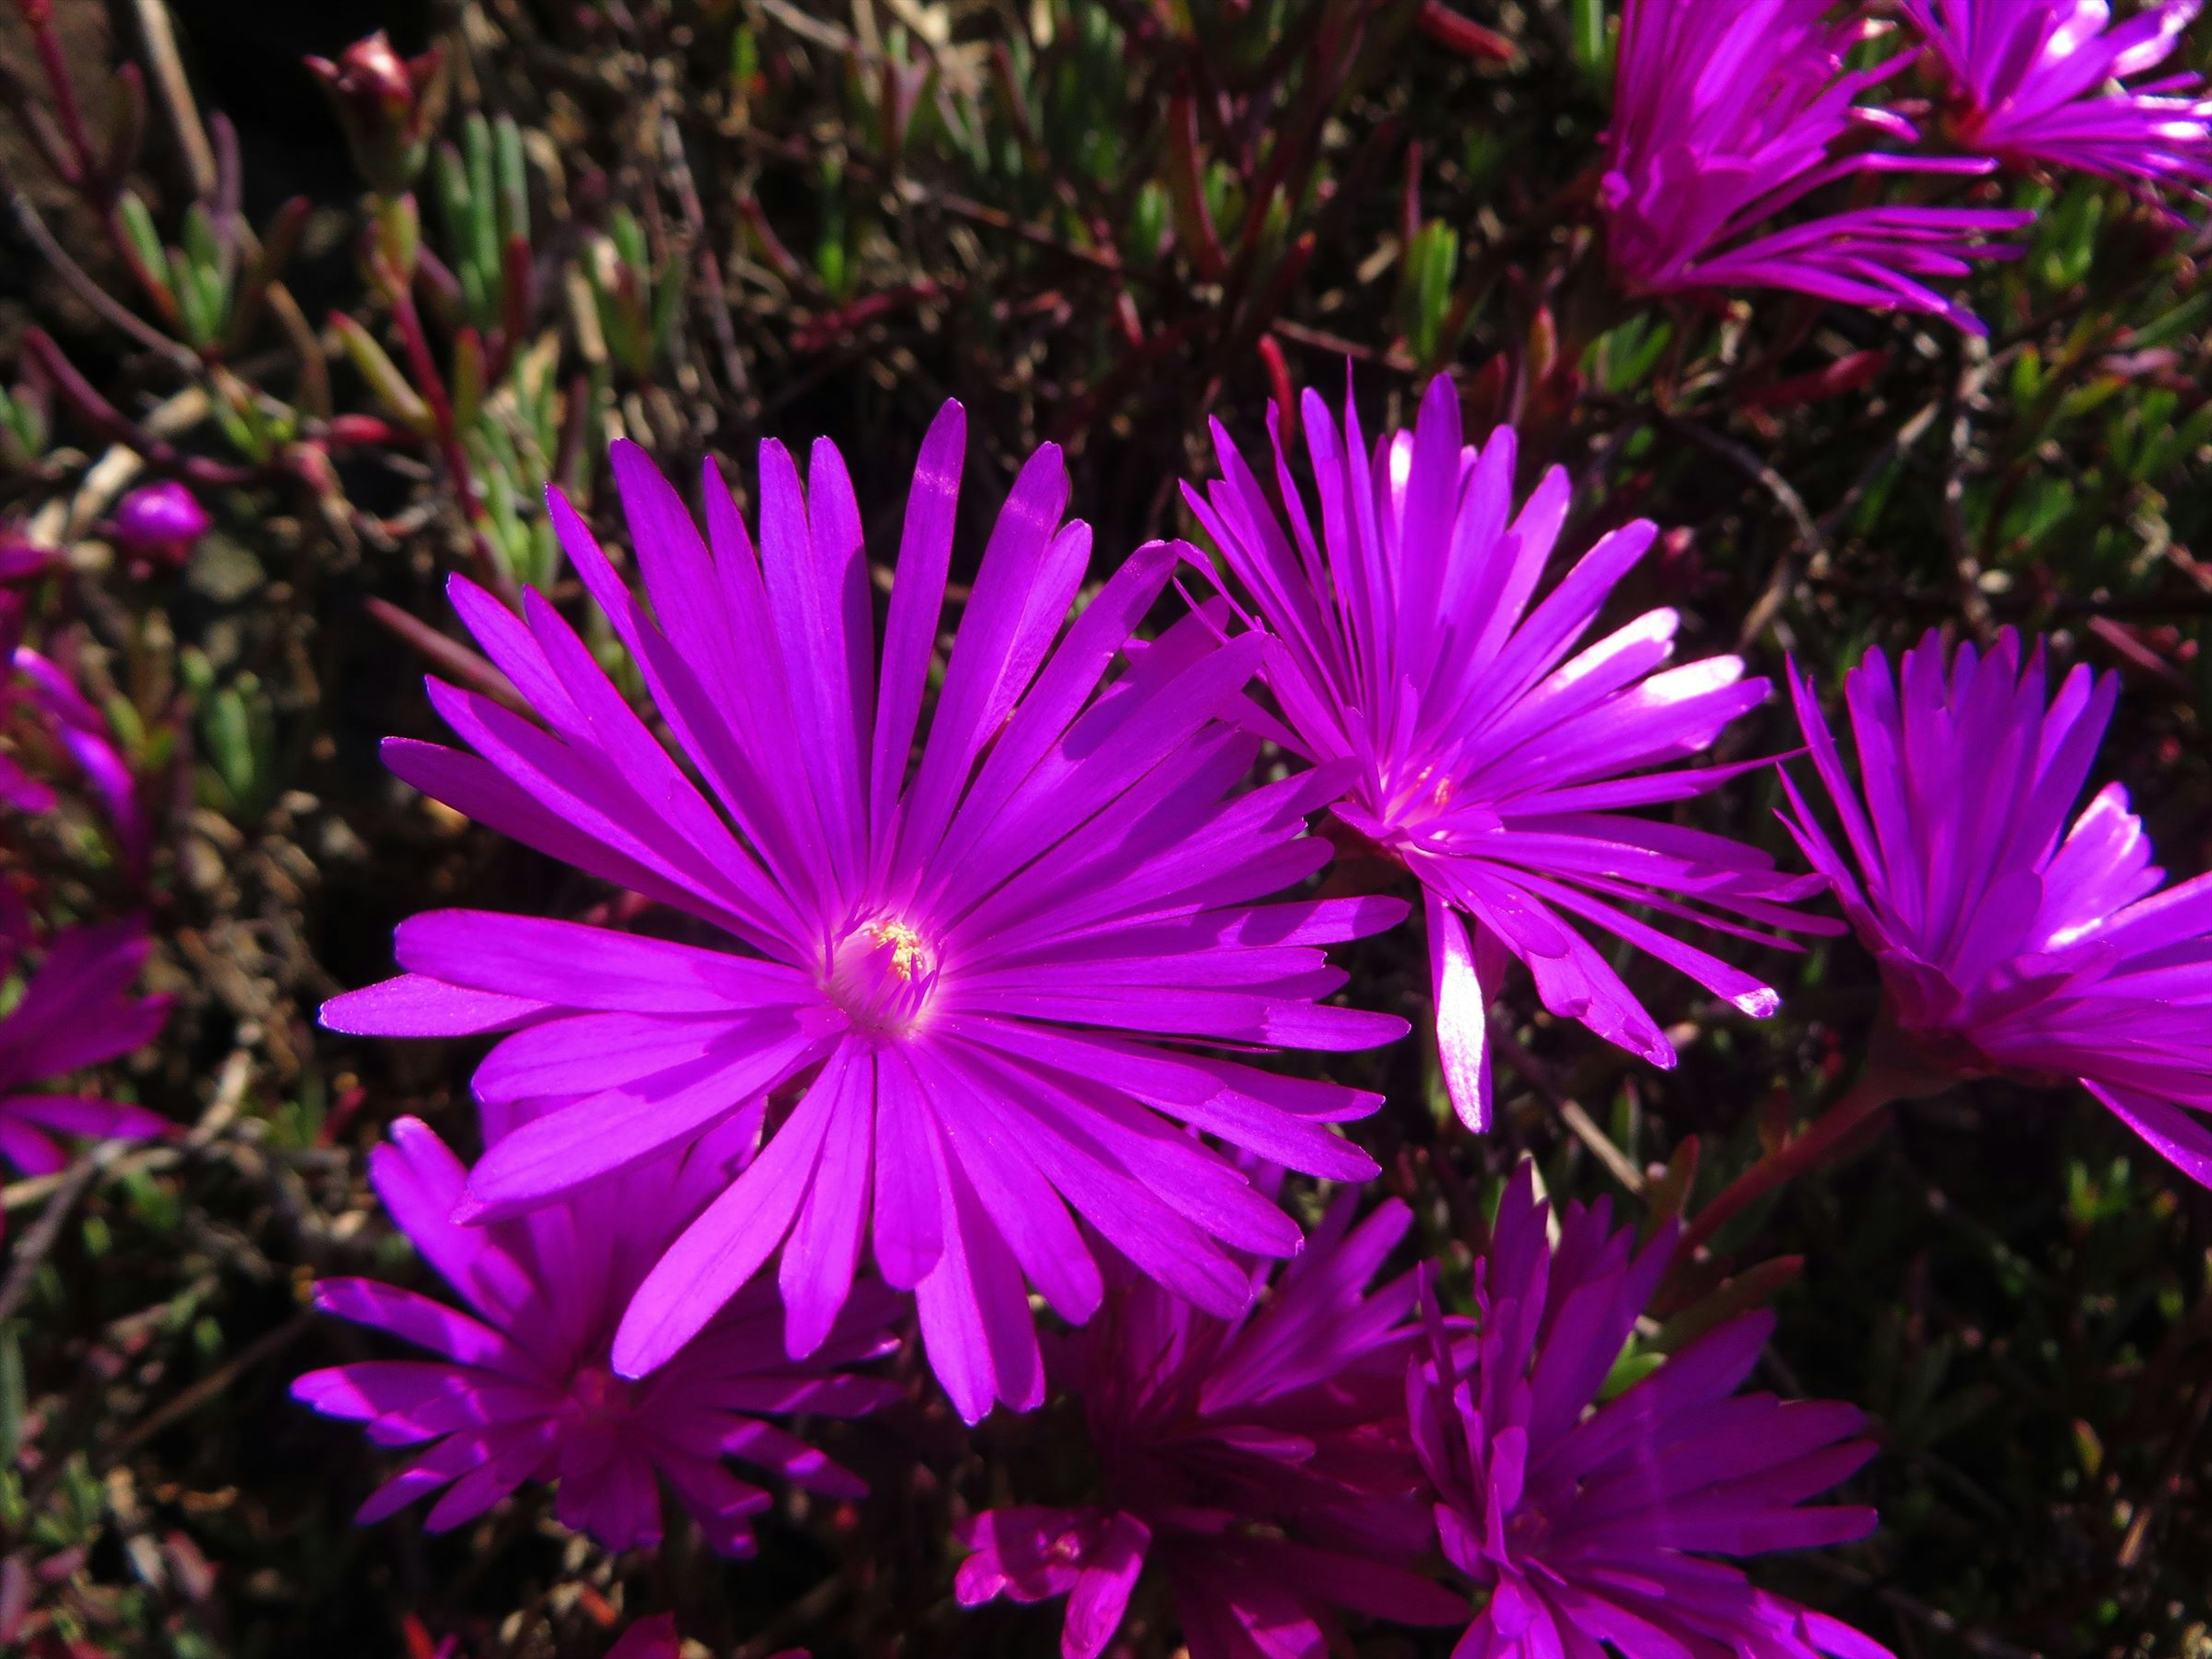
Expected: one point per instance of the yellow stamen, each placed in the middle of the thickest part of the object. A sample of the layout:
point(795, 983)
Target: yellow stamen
point(905, 943)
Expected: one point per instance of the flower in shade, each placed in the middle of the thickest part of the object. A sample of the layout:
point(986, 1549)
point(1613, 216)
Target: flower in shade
point(160, 522)
point(2045, 82)
point(85, 733)
point(969, 969)
point(76, 1011)
point(1583, 1522)
point(1259, 1464)
point(651, 1637)
point(389, 106)
point(1725, 113)
point(1478, 752)
point(521, 1388)
point(2009, 942)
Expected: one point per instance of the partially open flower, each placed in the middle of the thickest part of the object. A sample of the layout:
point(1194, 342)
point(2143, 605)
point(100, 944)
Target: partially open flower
point(388, 105)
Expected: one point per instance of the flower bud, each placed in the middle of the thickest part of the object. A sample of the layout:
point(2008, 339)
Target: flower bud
point(160, 521)
point(388, 105)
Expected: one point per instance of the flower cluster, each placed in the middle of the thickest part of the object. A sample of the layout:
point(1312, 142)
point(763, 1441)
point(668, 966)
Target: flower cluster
point(1727, 114)
point(970, 999)
point(983, 972)
point(970, 1028)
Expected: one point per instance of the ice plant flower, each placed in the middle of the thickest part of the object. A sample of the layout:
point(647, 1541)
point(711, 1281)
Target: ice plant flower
point(76, 1011)
point(1582, 1523)
point(1726, 112)
point(2009, 942)
point(968, 969)
point(2044, 82)
point(160, 522)
point(1480, 754)
point(521, 1388)
point(1261, 1464)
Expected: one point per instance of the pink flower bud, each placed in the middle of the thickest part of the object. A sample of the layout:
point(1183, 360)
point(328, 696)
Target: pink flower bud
point(388, 105)
point(160, 521)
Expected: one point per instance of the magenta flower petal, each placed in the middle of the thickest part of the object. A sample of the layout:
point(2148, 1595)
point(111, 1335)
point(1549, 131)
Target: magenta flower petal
point(651, 1637)
point(2046, 81)
point(1728, 111)
point(1582, 1523)
point(75, 1012)
point(524, 1389)
point(1464, 734)
point(996, 983)
point(1261, 1462)
point(2008, 941)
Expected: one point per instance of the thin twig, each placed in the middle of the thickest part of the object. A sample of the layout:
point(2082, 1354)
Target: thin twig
point(1583, 1127)
point(712, 291)
point(39, 1243)
point(1972, 602)
point(450, 656)
point(1876, 1089)
point(1809, 543)
point(160, 43)
point(183, 1405)
point(110, 310)
point(1901, 443)
point(1974, 1641)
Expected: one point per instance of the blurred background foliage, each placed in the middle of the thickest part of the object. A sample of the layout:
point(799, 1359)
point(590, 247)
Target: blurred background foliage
point(365, 345)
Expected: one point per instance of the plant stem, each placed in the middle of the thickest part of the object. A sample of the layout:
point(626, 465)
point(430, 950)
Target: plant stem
point(1877, 1088)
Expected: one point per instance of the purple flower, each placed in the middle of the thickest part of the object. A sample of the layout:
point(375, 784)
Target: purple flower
point(86, 733)
point(2041, 81)
point(522, 1389)
point(964, 970)
point(2009, 942)
point(160, 521)
point(1260, 1463)
point(1584, 1526)
point(76, 1011)
point(1482, 757)
point(1728, 111)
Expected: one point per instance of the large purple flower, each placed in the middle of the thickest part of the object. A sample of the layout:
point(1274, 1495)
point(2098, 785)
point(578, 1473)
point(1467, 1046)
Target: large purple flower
point(522, 1389)
point(2009, 942)
point(1260, 1463)
point(967, 968)
point(1728, 111)
point(76, 1011)
point(1583, 1522)
point(2042, 81)
point(1480, 754)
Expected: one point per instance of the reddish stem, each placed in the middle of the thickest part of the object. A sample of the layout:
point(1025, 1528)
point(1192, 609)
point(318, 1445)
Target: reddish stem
point(432, 385)
point(1877, 1088)
point(39, 15)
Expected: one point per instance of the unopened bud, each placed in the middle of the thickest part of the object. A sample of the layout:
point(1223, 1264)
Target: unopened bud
point(160, 522)
point(388, 105)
